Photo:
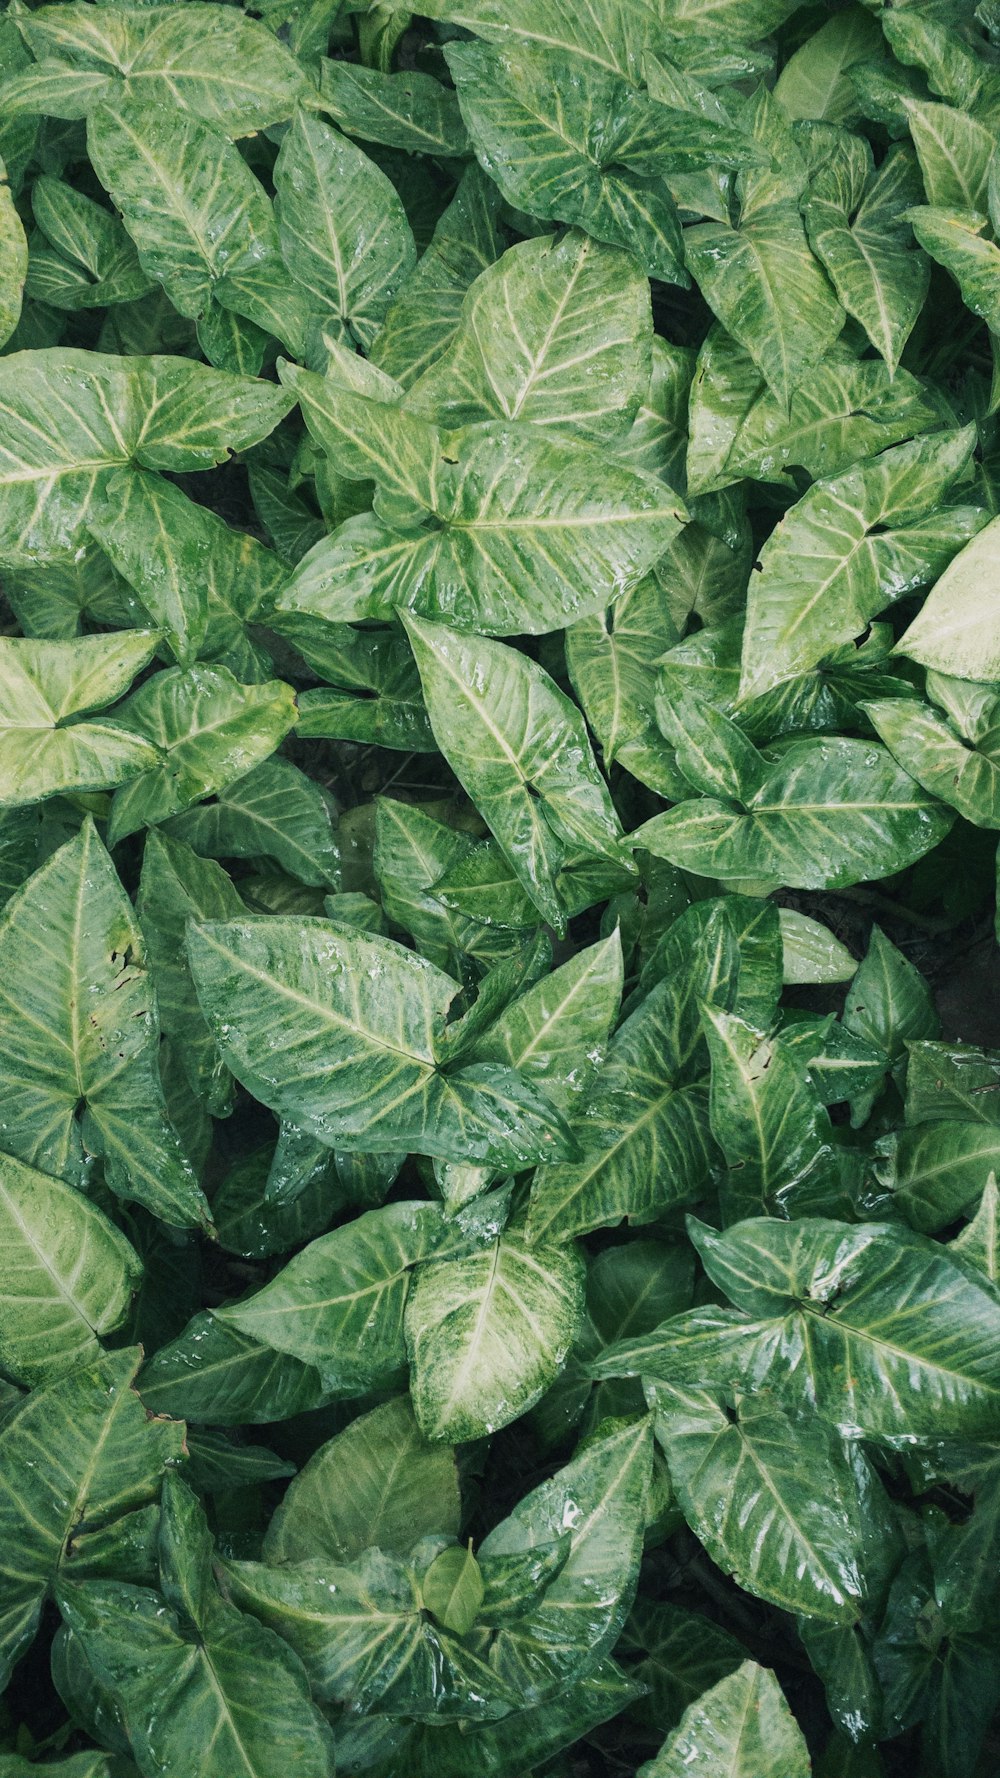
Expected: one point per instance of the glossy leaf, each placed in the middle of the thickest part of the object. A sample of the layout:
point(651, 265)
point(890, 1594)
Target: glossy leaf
point(104, 1456)
point(69, 938)
point(378, 1483)
point(742, 1727)
point(44, 684)
point(66, 1274)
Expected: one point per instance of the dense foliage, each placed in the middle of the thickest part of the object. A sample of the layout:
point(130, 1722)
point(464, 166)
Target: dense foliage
point(499, 762)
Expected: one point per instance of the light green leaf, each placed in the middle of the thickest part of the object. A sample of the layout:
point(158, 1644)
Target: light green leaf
point(600, 1498)
point(199, 581)
point(772, 1499)
point(103, 1457)
point(43, 685)
point(201, 222)
point(954, 151)
point(221, 66)
point(407, 110)
point(519, 747)
point(812, 82)
point(830, 811)
point(68, 417)
point(611, 659)
point(208, 730)
point(487, 1333)
point(452, 1590)
point(810, 952)
point(91, 262)
point(66, 1275)
point(422, 320)
point(856, 219)
point(531, 531)
point(955, 239)
point(557, 332)
point(412, 851)
point(850, 547)
point(337, 1029)
point(378, 1483)
point(274, 811)
point(936, 1169)
point(929, 749)
point(68, 942)
point(741, 1728)
point(560, 150)
point(344, 235)
point(14, 261)
point(957, 631)
point(979, 1243)
point(189, 1672)
point(213, 1374)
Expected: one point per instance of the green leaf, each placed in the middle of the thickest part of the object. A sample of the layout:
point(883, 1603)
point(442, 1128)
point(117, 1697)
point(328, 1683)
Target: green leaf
point(356, 1067)
point(422, 320)
point(189, 1671)
point(207, 728)
point(557, 332)
point(412, 851)
point(69, 940)
point(767, 1118)
point(519, 747)
point(872, 1327)
point(213, 1374)
point(487, 1333)
point(15, 260)
point(408, 110)
point(741, 1728)
point(43, 685)
point(524, 1739)
point(201, 222)
point(66, 1274)
point(935, 1170)
point(68, 418)
point(830, 811)
point(561, 150)
point(103, 1457)
point(812, 82)
point(343, 230)
point(531, 531)
point(952, 1080)
point(221, 66)
point(91, 261)
point(193, 575)
point(772, 1499)
point(955, 239)
point(856, 219)
point(760, 279)
point(611, 660)
point(954, 151)
point(339, 1303)
point(678, 1654)
point(365, 1641)
point(930, 750)
point(378, 1483)
point(847, 549)
point(810, 952)
point(600, 1499)
point(979, 1243)
point(645, 1131)
point(274, 811)
point(177, 886)
point(452, 1590)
